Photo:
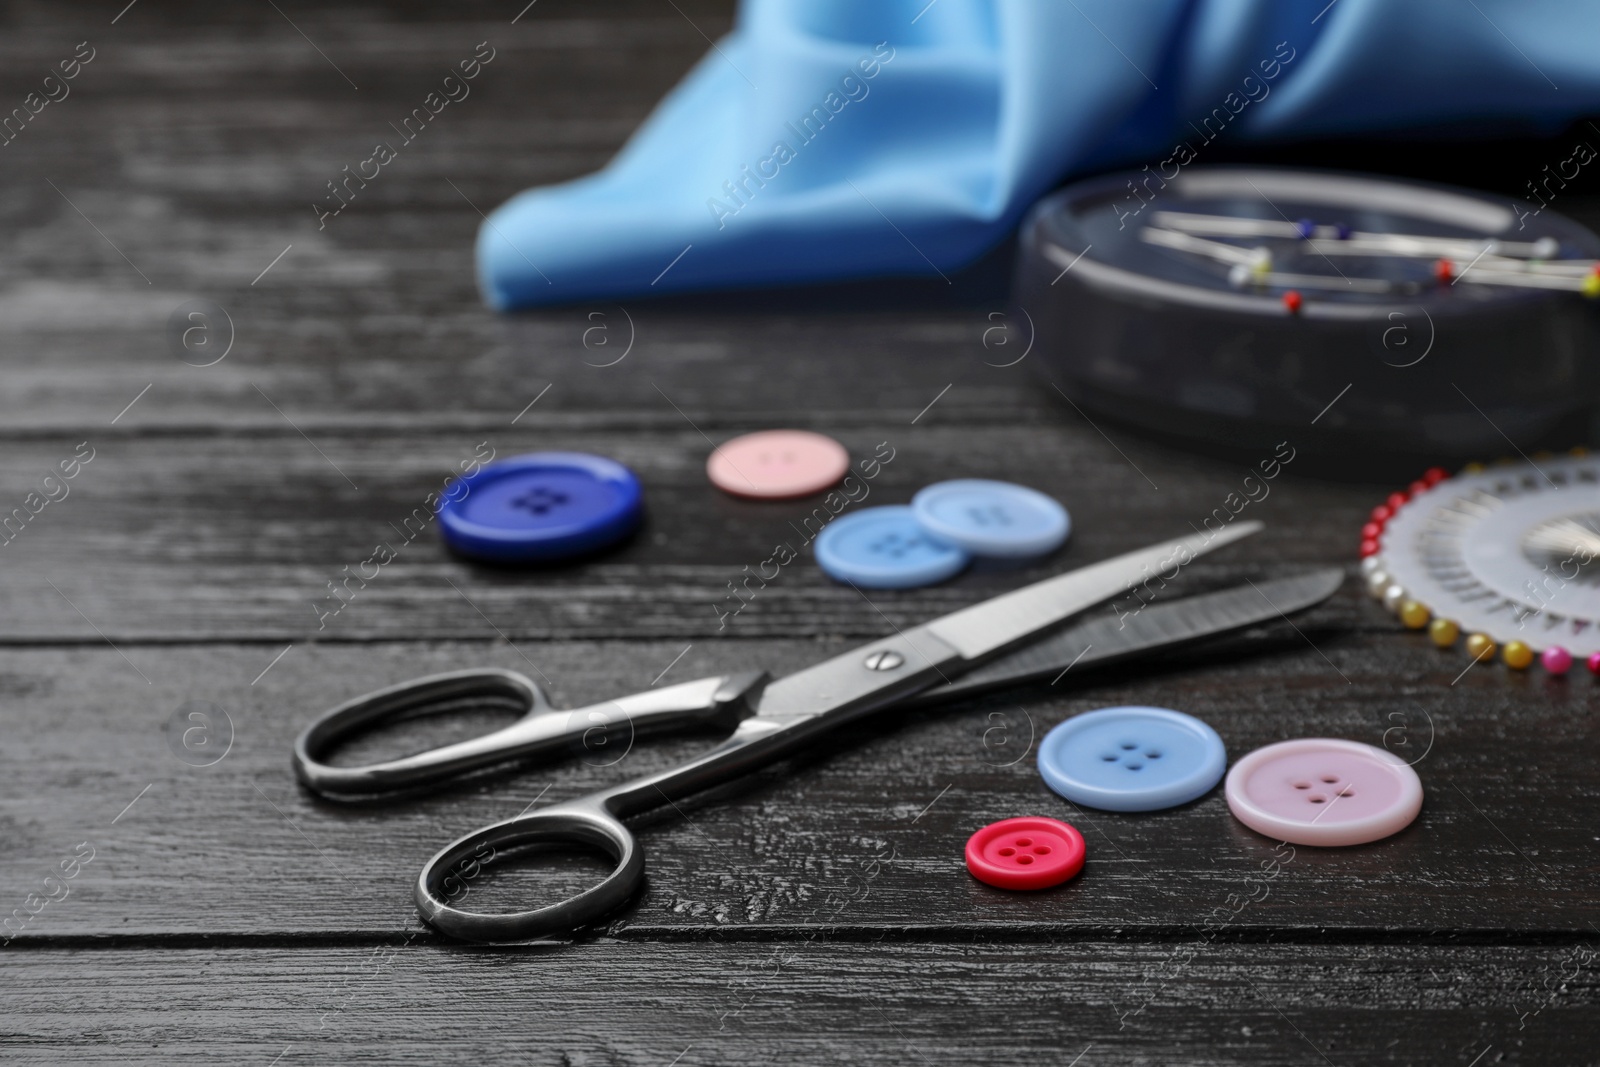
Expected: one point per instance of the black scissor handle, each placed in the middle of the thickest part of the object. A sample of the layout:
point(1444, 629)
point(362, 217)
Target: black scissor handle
point(541, 730)
point(578, 824)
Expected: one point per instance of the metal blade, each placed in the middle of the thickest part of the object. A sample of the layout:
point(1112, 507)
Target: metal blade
point(953, 644)
point(1108, 638)
point(991, 626)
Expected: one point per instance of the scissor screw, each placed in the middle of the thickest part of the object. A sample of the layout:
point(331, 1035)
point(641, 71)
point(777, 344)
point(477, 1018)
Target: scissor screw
point(884, 661)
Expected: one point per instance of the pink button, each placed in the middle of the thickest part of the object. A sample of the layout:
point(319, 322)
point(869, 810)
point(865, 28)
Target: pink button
point(1324, 791)
point(777, 464)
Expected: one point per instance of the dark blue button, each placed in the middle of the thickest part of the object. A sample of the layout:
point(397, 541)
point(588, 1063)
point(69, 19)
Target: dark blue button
point(541, 507)
point(884, 548)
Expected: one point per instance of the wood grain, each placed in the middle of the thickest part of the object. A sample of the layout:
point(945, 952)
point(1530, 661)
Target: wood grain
point(239, 848)
point(808, 1001)
point(819, 910)
point(179, 538)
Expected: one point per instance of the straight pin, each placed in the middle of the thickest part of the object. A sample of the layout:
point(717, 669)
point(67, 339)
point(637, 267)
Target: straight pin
point(1231, 226)
point(1487, 265)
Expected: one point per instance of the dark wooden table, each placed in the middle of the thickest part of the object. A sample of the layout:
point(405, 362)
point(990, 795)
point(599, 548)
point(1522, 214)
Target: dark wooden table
point(819, 911)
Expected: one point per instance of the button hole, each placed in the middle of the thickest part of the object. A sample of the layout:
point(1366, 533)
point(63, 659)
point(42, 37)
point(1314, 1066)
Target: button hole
point(1042, 850)
point(1318, 799)
point(1024, 842)
point(1302, 785)
point(1024, 860)
point(1008, 852)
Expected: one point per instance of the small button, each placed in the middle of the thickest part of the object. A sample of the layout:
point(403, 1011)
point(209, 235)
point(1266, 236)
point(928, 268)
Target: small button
point(884, 548)
point(1132, 759)
point(541, 507)
point(1026, 853)
point(988, 518)
point(777, 464)
point(1324, 791)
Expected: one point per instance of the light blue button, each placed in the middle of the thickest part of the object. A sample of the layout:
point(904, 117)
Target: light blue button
point(885, 548)
point(988, 518)
point(1132, 759)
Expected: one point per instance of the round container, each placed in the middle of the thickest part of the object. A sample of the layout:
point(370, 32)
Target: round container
point(1159, 337)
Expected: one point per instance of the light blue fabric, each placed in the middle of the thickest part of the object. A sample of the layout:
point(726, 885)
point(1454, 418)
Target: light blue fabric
point(933, 126)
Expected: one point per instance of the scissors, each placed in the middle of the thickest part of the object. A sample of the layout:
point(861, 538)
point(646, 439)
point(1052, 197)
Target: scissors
point(950, 657)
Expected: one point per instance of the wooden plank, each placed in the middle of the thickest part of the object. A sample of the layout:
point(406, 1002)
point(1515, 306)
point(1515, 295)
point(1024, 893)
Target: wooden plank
point(196, 142)
point(454, 367)
point(818, 908)
point(180, 538)
point(238, 848)
point(404, 1002)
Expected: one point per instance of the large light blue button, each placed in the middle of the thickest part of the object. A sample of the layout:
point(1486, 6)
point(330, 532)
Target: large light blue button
point(988, 518)
point(1132, 759)
point(884, 548)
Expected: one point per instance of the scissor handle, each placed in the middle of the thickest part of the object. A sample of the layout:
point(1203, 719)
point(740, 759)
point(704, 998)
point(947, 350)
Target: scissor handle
point(593, 821)
point(447, 877)
point(541, 730)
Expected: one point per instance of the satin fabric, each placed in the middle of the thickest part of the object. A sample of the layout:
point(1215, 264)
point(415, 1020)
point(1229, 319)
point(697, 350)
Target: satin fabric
point(915, 134)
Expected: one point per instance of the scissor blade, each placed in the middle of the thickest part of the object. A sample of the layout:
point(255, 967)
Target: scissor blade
point(992, 626)
point(1114, 636)
point(884, 671)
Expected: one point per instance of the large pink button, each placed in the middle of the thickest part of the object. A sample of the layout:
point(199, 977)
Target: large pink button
point(777, 464)
point(1324, 791)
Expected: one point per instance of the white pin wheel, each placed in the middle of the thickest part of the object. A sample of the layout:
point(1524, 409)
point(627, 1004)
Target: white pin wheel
point(1512, 552)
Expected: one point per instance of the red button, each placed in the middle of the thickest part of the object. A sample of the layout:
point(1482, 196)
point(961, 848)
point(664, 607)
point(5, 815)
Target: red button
point(1026, 853)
